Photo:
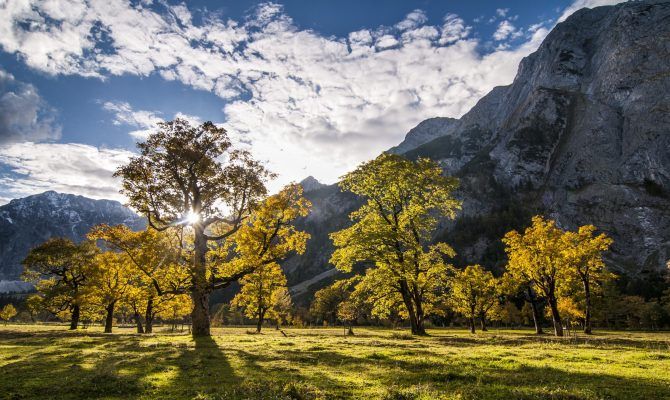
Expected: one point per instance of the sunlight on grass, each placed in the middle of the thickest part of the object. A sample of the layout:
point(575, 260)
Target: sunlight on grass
point(48, 362)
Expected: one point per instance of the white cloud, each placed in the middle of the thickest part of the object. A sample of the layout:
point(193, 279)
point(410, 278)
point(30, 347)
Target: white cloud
point(453, 29)
point(307, 103)
point(23, 113)
point(502, 12)
point(146, 121)
point(506, 30)
point(64, 167)
point(579, 4)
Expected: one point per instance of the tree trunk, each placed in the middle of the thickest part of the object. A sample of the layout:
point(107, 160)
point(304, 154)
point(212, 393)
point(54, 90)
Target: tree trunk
point(420, 317)
point(74, 320)
point(415, 326)
point(200, 294)
point(482, 321)
point(109, 320)
point(555, 316)
point(138, 321)
point(587, 311)
point(149, 316)
point(472, 324)
point(536, 313)
point(261, 315)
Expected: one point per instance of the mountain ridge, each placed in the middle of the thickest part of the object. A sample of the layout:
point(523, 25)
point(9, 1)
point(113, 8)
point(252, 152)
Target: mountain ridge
point(29, 221)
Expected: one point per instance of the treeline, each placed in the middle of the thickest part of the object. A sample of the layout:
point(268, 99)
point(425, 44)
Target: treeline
point(212, 224)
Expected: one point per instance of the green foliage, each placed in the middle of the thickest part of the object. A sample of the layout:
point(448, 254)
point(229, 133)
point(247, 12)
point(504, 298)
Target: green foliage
point(392, 232)
point(473, 293)
point(7, 312)
point(61, 271)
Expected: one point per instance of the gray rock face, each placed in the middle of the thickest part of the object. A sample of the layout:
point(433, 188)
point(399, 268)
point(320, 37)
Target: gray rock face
point(582, 135)
point(425, 132)
point(585, 129)
point(27, 222)
point(310, 184)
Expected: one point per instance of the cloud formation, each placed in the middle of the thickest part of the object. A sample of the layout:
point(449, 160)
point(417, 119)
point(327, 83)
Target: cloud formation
point(63, 167)
point(23, 113)
point(306, 103)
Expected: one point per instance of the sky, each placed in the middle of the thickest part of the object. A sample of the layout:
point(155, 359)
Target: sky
point(309, 87)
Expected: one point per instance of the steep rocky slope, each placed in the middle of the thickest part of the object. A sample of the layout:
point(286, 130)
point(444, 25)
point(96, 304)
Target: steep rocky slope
point(582, 135)
point(29, 221)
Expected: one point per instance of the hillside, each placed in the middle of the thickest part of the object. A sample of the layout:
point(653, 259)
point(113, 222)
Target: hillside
point(582, 135)
point(27, 222)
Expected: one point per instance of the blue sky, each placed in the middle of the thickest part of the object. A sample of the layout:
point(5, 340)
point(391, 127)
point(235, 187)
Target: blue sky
point(311, 87)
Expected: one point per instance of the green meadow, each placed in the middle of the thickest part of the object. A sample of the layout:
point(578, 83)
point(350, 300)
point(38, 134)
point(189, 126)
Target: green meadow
point(49, 362)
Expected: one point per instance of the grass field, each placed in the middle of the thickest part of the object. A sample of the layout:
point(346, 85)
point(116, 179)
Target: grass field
point(40, 362)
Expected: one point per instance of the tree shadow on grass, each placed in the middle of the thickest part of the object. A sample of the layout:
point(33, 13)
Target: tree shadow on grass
point(471, 379)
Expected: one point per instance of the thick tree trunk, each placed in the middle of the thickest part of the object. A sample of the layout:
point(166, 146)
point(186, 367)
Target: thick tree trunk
point(149, 316)
point(472, 324)
point(536, 313)
point(200, 293)
point(587, 311)
point(74, 320)
point(555, 315)
point(416, 326)
point(109, 320)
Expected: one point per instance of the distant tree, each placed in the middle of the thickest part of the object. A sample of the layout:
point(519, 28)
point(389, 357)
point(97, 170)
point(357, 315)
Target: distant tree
point(537, 256)
point(7, 312)
point(60, 270)
point(582, 251)
point(258, 290)
point(281, 308)
point(111, 279)
point(509, 313)
point(393, 230)
point(180, 178)
point(327, 300)
point(473, 293)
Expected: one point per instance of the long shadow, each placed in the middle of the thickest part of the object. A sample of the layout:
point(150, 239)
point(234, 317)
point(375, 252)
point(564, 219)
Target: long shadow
point(59, 365)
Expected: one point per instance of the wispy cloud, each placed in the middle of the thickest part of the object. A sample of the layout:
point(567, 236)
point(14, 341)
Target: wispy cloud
point(64, 167)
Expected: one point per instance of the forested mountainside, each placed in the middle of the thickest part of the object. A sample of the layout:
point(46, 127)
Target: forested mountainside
point(582, 135)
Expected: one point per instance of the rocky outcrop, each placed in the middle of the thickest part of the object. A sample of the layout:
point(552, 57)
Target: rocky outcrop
point(582, 135)
point(425, 132)
point(27, 222)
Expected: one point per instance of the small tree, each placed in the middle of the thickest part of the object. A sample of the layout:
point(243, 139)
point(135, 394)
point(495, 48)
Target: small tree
point(258, 289)
point(111, 280)
point(536, 256)
point(473, 293)
point(281, 308)
point(393, 230)
point(583, 254)
point(8, 312)
point(60, 270)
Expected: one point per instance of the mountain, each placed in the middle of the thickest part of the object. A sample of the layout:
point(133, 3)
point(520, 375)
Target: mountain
point(425, 132)
point(310, 184)
point(582, 135)
point(27, 222)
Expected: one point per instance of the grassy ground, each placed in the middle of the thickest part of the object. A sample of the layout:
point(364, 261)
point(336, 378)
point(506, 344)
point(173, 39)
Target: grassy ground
point(40, 362)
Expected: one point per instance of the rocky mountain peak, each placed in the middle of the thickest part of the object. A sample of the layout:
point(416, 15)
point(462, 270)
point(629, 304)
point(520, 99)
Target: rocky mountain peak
point(310, 184)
